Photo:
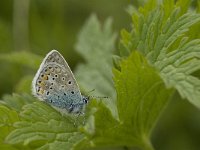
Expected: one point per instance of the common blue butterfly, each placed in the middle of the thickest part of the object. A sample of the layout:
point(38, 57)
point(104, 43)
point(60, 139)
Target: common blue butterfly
point(55, 84)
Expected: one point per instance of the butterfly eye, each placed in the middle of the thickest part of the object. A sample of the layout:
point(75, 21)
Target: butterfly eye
point(85, 101)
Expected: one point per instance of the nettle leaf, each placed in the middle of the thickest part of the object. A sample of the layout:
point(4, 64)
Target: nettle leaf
point(23, 58)
point(42, 127)
point(162, 36)
point(7, 118)
point(17, 101)
point(141, 97)
point(96, 45)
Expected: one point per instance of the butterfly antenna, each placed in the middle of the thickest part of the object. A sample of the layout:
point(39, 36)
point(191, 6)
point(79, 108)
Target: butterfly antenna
point(100, 97)
point(91, 91)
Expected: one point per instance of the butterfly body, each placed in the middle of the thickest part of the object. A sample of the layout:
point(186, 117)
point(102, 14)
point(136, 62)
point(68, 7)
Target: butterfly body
point(55, 84)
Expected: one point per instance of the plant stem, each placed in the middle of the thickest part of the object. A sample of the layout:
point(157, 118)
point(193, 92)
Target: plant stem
point(20, 24)
point(147, 145)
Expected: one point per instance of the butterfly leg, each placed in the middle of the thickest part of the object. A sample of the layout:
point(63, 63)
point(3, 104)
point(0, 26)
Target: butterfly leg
point(77, 116)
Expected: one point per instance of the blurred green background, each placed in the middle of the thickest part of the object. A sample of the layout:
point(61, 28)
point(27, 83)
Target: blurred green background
point(39, 26)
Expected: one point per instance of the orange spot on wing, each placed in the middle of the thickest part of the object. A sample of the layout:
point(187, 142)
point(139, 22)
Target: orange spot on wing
point(41, 91)
point(45, 77)
point(42, 84)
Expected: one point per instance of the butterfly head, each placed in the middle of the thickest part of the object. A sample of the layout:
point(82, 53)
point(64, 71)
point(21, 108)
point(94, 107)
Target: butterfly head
point(85, 99)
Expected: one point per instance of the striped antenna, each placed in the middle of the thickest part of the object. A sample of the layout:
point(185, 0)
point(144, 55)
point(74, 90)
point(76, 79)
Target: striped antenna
point(96, 96)
point(99, 97)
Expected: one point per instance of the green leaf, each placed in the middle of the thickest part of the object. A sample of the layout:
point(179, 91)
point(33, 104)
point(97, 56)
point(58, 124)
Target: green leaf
point(16, 101)
point(96, 45)
point(161, 34)
point(141, 98)
point(7, 118)
point(42, 127)
point(23, 58)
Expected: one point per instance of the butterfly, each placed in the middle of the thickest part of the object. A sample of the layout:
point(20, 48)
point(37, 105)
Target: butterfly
point(55, 84)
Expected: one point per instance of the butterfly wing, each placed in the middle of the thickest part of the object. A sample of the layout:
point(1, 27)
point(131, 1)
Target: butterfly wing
point(55, 82)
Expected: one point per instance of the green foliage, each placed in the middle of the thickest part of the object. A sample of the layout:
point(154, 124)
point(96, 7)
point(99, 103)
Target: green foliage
point(7, 118)
point(30, 129)
point(16, 101)
point(23, 58)
point(24, 84)
point(5, 36)
point(44, 128)
point(134, 106)
point(150, 96)
point(16, 61)
point(93, 43)
point(157, 57)
point(161, 34)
